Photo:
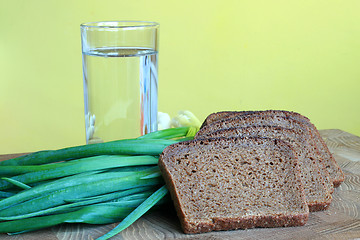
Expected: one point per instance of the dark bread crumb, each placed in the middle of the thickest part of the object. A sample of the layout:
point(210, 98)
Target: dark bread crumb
point(232, 183)
point(318, 196)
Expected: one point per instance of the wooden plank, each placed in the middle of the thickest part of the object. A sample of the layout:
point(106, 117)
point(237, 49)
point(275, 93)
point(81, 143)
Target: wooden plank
point(341, 221)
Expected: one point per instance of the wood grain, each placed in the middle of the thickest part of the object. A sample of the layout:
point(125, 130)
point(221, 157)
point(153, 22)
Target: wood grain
point(341, 221)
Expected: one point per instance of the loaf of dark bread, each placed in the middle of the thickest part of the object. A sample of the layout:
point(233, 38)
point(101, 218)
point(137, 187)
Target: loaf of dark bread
point(317, 195)
point(234, 183)
point(336, 174)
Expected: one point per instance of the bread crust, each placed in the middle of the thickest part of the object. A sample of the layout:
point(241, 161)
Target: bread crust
point(225, 224)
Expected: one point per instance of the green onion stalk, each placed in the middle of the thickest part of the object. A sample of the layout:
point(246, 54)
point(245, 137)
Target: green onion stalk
point(100, 183)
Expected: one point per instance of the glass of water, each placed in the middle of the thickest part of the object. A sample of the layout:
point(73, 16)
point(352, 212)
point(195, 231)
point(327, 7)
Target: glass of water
point(120, 62)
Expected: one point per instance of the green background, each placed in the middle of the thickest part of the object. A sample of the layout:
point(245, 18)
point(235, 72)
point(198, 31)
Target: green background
point(214, 55)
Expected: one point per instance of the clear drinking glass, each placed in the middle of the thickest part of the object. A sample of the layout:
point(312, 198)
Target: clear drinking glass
point(120, 62)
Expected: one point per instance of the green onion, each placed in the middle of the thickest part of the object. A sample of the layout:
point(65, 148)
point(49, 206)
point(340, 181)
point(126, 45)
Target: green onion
point(6, 194)
point(120, 197)
point(55, 192)
point(95, 184)
point(16, 183)
point(92, 214)
point(149, 144)
point(121, 147)
point(170, 133)
point(45, 172)
point(137, 213)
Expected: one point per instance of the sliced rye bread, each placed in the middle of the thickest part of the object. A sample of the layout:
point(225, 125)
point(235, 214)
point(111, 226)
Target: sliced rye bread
point(336, 174)
point(281, 121)
point(317, 195)
point(234, 183)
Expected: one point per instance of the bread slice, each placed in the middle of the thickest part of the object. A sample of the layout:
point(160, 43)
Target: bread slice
point(317, 195)
point(217, 116)
point(273, 120)
point(336, 174)
point(234, 183)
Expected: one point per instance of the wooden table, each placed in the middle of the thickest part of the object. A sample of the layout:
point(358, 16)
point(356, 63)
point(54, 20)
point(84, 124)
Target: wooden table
point(341, 221)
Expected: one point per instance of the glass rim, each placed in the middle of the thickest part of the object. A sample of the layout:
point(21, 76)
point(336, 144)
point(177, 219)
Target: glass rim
point(114, 24)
